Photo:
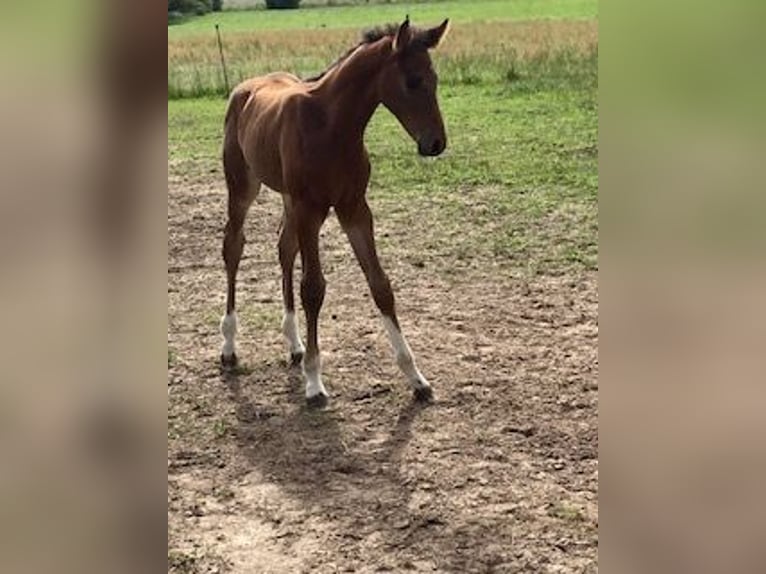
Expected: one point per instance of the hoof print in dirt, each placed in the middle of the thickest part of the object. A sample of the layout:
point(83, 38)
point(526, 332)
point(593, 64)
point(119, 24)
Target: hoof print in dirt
point(424, 394)
point(229, 362)
point(296, 359)
point(317, 401)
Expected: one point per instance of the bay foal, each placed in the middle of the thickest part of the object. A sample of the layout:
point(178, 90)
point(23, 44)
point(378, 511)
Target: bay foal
point(305, 140)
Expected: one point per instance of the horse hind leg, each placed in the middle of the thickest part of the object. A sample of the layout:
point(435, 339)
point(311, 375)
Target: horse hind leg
point(288, 250)
point(242, 191)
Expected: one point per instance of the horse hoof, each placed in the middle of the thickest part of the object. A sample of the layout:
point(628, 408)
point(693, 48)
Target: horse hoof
point(229, 362)
point(296, 358)
point(424, 394)
point(317, 401)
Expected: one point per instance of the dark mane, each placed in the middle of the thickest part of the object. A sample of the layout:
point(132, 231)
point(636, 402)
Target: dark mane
point(374, 34)
point(369, 36)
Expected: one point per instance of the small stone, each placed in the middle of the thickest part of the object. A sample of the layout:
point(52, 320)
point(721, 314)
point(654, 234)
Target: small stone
point(402, 523)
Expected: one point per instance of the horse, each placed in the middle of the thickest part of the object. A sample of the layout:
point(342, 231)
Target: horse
point(305, 140)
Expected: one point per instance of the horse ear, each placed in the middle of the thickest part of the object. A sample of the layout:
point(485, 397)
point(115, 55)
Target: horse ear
point(403, 36)
point(434, 36)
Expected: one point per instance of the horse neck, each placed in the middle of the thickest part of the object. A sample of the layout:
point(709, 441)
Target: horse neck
point(350, 92)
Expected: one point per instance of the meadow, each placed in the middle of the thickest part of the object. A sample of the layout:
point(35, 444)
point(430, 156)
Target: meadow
point(490, 40)
point(493, 251)
point(359, 15)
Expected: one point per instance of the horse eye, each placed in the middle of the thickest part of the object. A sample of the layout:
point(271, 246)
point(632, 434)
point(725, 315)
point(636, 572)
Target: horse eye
point(413, 83)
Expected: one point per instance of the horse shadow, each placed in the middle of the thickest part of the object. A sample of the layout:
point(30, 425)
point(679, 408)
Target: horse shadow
point(362, 493)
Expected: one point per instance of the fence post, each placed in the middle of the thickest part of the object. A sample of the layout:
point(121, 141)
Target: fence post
point(223, 60)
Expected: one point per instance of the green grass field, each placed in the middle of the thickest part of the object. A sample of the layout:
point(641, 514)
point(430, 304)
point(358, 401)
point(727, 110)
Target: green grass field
point(357, 16)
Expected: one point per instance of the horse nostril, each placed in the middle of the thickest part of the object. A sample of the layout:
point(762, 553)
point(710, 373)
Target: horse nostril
point(437, 147)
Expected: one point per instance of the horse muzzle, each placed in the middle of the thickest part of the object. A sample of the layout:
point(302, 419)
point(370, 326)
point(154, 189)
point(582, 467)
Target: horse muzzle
point(431, 146)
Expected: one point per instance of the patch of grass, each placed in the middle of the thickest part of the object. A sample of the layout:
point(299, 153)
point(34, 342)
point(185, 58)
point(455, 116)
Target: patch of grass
point(358, 16)
point(221, 428)
point(259, 318)
point(566, 512)
point(255, 318)
point(223, 493)
point(173, 432)
point(181, 562)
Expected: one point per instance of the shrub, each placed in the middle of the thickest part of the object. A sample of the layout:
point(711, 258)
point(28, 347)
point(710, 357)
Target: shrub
point(282, 3)
point(175, 17)
point(198, 7)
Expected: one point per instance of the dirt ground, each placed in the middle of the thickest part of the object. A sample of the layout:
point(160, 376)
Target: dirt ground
point(498, 474)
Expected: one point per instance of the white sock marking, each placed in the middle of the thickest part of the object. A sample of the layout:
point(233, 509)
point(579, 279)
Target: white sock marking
point(403, 355)
point(290, 331)
point(229, 326)
point(312, 372)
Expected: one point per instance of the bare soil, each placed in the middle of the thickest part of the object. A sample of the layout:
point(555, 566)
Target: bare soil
point(498, 474)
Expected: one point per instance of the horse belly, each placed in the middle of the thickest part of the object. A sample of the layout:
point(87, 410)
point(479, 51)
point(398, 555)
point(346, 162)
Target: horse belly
point(259, 139)
point(261, 150)
point(265, 162)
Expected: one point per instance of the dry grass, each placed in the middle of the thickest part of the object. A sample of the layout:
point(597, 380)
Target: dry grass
point(473, 53)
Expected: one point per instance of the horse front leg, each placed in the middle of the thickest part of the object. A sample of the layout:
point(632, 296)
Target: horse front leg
point(358, 224)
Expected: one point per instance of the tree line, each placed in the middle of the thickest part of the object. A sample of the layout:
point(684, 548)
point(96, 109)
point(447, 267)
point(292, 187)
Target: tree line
point(180, 8)
point(197, 7)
